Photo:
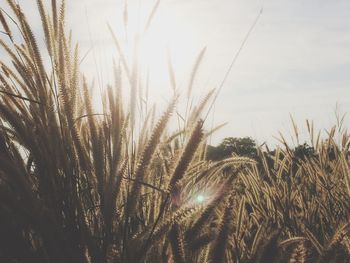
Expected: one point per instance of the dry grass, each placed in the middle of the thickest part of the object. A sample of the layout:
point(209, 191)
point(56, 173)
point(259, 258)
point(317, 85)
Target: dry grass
point(76, 187)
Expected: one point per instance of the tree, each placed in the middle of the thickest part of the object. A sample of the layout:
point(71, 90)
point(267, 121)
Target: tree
point(245, 146)
point(304, 151)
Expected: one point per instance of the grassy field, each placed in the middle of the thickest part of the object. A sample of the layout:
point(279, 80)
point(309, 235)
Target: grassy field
point(83, 186)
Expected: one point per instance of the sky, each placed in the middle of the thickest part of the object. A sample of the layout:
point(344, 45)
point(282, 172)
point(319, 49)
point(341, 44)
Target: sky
point(296, 60)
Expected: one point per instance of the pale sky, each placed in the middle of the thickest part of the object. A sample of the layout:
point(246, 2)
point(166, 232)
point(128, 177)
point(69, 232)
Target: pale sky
point(296, 61)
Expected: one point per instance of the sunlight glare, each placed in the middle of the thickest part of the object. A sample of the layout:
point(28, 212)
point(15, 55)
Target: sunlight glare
point(169, 36)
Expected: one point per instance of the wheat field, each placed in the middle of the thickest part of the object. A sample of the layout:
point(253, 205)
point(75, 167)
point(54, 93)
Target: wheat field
point(82, 186)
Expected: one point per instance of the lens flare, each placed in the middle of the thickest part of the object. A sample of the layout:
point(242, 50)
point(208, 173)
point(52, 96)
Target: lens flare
point(200, 198)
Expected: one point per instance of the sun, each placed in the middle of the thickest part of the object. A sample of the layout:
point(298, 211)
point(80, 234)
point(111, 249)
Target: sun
point(167, 34)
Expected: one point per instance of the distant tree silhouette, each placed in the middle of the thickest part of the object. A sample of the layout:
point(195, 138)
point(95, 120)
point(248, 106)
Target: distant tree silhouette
point(244, 146)
point(304, 151)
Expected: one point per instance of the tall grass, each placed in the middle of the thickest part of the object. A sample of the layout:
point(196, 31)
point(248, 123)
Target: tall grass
point(82, 186)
